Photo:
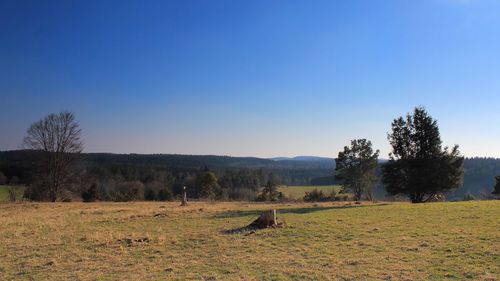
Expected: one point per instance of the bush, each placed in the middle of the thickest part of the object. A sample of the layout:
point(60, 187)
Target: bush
point(37, 191)
point(468, 197)
point(317, 195)
point(273, 197)
point(129, 191)
point(150, 194)
point(12, 191)
point(244, 194)
point(344, 197)
point(165, 194)
point(91, 194)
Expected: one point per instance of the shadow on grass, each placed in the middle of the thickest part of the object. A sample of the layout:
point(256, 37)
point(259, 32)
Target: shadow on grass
point(306, 210)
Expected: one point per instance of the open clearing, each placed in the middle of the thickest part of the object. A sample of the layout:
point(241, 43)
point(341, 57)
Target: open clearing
point(162, 241)
point(298, 192)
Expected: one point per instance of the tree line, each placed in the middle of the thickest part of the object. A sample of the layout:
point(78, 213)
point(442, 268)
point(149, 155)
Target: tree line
point(419, 168)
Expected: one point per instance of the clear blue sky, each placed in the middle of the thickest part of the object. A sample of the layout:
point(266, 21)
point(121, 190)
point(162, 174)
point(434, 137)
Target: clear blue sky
point(260, 78)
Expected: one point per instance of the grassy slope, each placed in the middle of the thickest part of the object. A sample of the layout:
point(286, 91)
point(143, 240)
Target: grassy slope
point(322, 241)
point(298, 192)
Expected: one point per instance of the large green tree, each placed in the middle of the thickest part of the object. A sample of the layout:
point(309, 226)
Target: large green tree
point(419, 167)
point(355, 168)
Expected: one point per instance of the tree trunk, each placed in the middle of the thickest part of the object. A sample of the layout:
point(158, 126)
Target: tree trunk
point(265, 220)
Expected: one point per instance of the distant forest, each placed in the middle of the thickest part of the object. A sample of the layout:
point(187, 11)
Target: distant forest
point(234, 173)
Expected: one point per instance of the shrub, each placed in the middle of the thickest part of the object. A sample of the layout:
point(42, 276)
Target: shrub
point(129, 191)
point(150, 194)
point(317, 195)
point(468, 197)
point(12, 191)
point(270, 192)
point(91, 194)
point(165, 194)
point(244, 194)
point(343, 197)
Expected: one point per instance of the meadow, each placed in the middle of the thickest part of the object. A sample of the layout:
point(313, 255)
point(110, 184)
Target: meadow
point(298, 192)
point(326, 241)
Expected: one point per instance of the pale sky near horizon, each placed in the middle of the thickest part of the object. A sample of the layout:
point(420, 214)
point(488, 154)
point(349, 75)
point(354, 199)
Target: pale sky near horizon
point(251, 78)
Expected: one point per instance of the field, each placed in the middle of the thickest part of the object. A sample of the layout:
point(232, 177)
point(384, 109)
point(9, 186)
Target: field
point(4, 193)
point(162, 241)
point(298, 192)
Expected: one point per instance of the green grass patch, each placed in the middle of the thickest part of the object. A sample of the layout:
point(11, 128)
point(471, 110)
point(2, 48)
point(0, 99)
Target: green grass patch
point(4, 192)
point(298, 192)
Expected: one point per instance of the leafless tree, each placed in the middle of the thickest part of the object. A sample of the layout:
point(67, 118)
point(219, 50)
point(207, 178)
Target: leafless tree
point(59, 136)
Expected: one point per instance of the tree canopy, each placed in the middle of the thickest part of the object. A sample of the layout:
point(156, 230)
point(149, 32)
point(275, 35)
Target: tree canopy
point(418, 166)
point(356, 167)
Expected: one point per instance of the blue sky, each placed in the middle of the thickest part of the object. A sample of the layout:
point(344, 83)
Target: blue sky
point(251, 78)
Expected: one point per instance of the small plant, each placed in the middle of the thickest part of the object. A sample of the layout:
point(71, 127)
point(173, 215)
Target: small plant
point(468, 197)
point(12, 193)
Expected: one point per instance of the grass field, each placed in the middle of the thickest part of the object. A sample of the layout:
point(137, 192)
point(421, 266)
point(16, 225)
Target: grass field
point(4, 193)
point(298, 192)
point(158, 241)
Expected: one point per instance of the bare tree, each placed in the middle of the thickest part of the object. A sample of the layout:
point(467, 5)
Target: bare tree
point(59, 136)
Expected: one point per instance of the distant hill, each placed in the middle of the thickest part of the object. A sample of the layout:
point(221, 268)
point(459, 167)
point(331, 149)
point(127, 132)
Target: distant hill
point(302, 158)
point(292, 172)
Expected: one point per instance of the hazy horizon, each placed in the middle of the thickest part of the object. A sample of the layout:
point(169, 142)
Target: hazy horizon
point(261, 79)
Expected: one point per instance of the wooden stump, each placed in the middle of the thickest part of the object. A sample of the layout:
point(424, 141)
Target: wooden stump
point(265, 220)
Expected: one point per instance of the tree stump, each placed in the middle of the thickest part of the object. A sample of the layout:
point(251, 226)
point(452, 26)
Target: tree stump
point(265, 220)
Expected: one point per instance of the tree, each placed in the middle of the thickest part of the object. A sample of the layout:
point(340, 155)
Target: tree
point(418, 166)
point(355, 168)
point(209, 186)
point(3, 178)
point(59, 137)
point(496, 190)
point(270, 191)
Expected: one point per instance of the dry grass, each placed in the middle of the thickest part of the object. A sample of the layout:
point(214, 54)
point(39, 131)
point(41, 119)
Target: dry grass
point(158, 241)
